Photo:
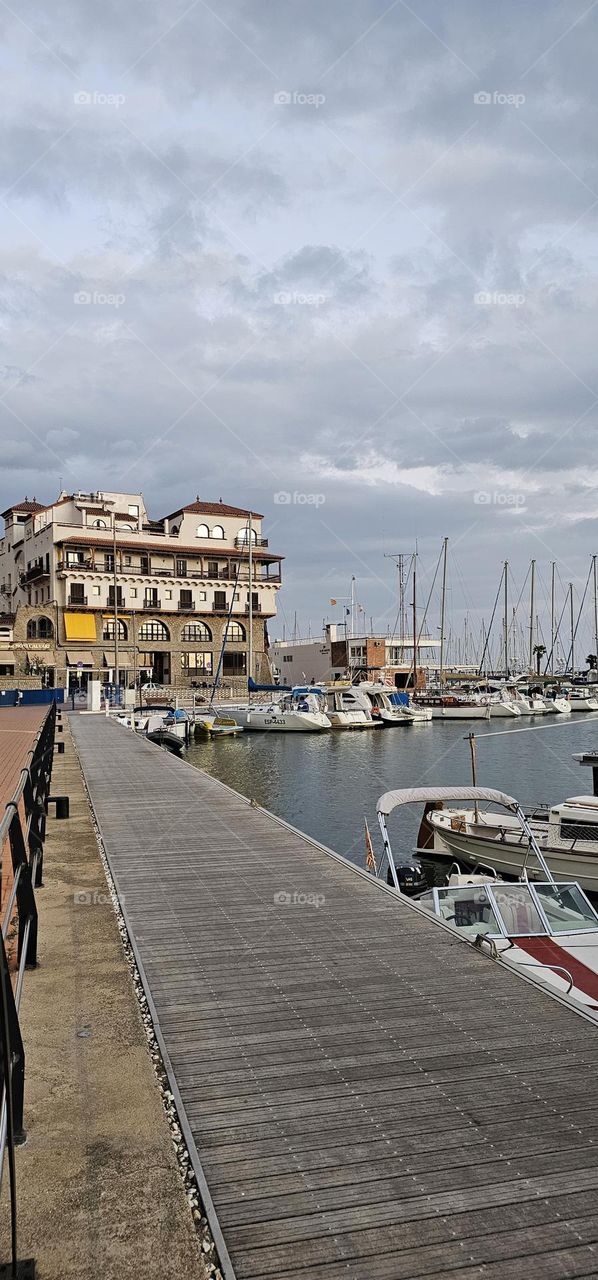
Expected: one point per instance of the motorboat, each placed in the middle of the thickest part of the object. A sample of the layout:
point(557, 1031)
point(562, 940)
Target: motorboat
point(387, 707)
point(545, 929)
point(580, 701)
point(566, 833)
point(451, 706)
point(170, 730)
point(348, 708)
point(300, 711)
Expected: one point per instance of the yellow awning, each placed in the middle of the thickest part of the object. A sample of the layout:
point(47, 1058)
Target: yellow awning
point(80, 626)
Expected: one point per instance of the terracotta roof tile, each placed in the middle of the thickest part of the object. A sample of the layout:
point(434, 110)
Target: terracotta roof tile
point(213, 509)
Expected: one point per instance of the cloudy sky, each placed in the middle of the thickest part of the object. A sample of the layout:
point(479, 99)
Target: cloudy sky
point(341, 254)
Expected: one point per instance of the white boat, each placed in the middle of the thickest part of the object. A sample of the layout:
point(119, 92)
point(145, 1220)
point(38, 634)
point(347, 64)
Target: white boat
point(567, 835)
point(503, 707)
point(545, 930)
point(170, 730)
point(582, 701)
point(348, 708)
point(452, 707)
point(301, 711)
point(385, 707)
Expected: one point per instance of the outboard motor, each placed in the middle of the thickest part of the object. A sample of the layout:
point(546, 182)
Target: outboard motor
point(411, 877)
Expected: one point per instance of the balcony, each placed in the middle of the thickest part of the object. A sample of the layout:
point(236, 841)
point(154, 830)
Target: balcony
point(187, 606)
point(155, 603)
point(74, 603)
point(35, 572)
point(244, 543)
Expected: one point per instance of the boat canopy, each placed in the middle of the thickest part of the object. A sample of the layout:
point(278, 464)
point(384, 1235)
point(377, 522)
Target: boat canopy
point(426, 795)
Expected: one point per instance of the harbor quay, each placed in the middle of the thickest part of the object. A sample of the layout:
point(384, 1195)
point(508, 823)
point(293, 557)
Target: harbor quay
point(247, 1057)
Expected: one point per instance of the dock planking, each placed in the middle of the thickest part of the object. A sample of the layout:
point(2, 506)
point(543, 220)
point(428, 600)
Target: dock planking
point(365, 1096)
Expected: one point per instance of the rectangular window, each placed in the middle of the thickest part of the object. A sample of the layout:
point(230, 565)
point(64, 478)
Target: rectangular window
point(133, 593)
point(168, 594)
point(151, 596)
point(186, 599)
point(109, 562)
point(287, 657)
point(220, 600)
point(95, 591)
point(77, 593)
point(181, 568)
point(127, 560)
point(6, 669)
point(203, 595)
point(119, 596)
point(234, 664)
point(133, 510)
point(212, 568)
point(201, 662)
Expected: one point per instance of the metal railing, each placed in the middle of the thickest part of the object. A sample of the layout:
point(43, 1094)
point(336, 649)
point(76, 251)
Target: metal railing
point(22, 829)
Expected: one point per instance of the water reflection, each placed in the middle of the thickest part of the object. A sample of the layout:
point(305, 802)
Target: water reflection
point(325, 783)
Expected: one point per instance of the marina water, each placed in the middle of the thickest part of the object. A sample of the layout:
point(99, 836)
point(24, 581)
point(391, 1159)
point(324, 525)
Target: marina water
point(324, 784)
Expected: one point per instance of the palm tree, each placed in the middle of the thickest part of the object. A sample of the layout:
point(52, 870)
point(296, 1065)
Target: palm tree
point(539, 651)
point(592, 661)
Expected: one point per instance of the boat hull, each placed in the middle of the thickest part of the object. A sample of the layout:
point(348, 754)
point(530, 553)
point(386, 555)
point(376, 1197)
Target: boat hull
point(509, 859)
point(273, 720)
point(460, 713)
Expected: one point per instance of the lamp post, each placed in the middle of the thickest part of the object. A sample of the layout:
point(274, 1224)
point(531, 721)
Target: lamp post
point(116, 681)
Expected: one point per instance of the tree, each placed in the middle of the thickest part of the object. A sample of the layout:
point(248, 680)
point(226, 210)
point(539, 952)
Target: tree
point(539, 651)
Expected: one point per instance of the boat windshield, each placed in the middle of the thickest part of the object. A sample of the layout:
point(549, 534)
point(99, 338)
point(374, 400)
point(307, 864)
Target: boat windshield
point(512, 910)
point(566, 908)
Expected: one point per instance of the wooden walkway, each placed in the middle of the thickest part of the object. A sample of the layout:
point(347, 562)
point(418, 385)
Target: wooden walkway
point(368, 1098)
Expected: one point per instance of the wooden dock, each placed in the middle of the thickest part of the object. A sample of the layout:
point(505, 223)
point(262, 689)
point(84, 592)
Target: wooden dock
point(365, 1097)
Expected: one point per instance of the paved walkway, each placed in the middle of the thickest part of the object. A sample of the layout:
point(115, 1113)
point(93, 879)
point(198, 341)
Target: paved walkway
point(367, 1097)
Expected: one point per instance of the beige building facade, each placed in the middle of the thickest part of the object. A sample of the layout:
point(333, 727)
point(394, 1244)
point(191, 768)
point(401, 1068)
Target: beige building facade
point(74, 572)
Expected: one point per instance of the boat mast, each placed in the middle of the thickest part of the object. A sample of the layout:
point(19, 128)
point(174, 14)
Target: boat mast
point(531, 615)
point(506, 618)
point(414, 624)
point(250, 609)
point(572, 629)
point(442, 610)
point(552, 617)
point(595, 607)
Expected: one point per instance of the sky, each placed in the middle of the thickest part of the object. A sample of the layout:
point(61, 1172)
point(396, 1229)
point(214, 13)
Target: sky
point(334, 262)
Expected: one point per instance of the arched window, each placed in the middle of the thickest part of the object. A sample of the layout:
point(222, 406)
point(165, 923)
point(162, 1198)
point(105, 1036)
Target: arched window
point(202, 531)
point(40, 629)
point(243, 535)
point(194, 631)
point(217, 531)
point(99, 524)
point(108, 631)
point(235, 633)
point(153, 630)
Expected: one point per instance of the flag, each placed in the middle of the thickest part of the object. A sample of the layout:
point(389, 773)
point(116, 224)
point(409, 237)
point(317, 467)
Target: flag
point(370, 860)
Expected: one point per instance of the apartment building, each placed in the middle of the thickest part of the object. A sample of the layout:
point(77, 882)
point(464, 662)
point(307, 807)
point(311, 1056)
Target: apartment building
point(91, 578)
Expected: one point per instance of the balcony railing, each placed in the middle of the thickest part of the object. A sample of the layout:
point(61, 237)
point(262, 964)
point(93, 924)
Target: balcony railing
point(36, 571)
point(155, 603)
point(75, 602)
point(188, 606)
point(227, 573)
point(256, 542)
